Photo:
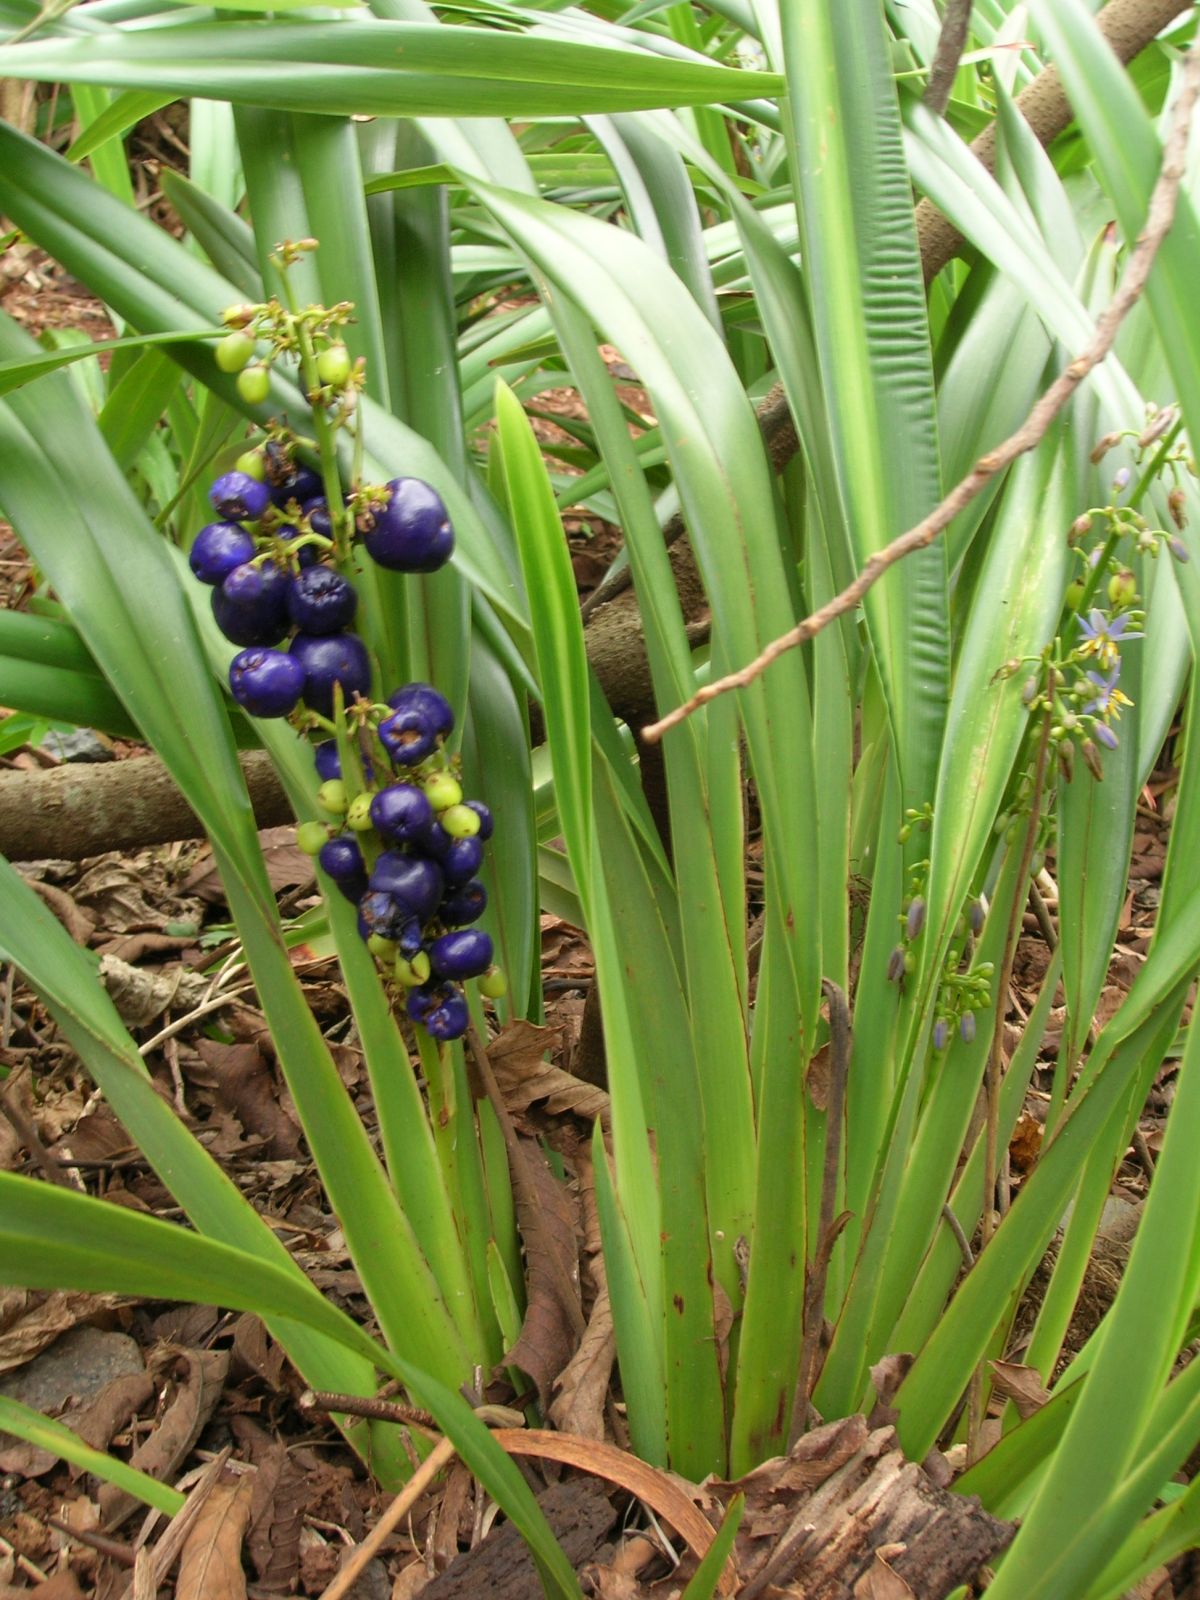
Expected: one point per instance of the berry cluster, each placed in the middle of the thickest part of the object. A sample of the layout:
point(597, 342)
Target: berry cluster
point(412, 847)
point(266, 560)
point(409, 859)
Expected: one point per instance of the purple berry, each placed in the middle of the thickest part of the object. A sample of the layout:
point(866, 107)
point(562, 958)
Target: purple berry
point(410, 531)
point(327, 761)
point(412, 880)
point(250, 604)
point(463, 905)
point(353, 889)
point(433, 706)
point(449, 1020)
point(307, 555)
point(421, 1001)
point(434, 840)
point(321, 600)
point(464, 954)
point(288, 479)
point(407, 738)
point(239, 498)
point(266, 683)
point(486, 822)
point(341, 859)
point(329, 658)
point(317, 512)
point(400, 812)
point(218, 548)
point(462, 860)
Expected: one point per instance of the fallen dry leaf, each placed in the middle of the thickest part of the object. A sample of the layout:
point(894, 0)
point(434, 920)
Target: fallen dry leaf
point(210, 1563)
point(524, 1078)
point(883, 1582)
point(62, 1586)
point(164, 1450)
point(245, 1085)
point(1022, 1385)
point(142, 994)
point(546, 1219)
point(282, 1495)
point(582, 1387)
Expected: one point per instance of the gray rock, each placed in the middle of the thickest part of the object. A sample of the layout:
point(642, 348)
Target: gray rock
point(81, 744)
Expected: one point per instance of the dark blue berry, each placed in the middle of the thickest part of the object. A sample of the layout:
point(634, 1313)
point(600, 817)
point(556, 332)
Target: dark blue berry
point(330, 658)
point(218, 548)
point(327, 761)
point(307, 555)
point(463, 905)
point(239, 498)
point(341, 859)
point(266, 683)
point(317, 512)
point(410, 531)
point(251, 604)
point(407, 738)
point(353, 889)
point(486, 822)
point(413, 880)
point(464, 954)
point(322, 601)
point(288, 479)
point(433, 706)
point(400, 812)
point(448, 1021)
point(462, 860)
point(435, 841)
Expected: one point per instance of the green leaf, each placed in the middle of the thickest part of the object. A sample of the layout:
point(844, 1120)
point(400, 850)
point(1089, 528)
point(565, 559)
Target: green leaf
point(46, 1434)
point(17, 371)
point(395, 68)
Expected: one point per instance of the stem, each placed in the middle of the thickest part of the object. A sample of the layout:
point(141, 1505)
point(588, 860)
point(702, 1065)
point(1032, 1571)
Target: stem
point(995, 1054)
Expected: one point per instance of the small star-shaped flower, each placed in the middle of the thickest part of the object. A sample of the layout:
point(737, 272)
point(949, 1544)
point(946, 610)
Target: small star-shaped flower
point(1102, 636)
point(1109, 699)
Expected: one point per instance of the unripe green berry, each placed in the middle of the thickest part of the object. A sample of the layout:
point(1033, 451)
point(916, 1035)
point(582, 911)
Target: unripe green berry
point(443, 790)
point(493, 983)
point(414, 972)
point(460, 822)
point(234, 351)
point(1122, 588)
point(1074, 594)
point(254, 384)
point(252, 464)
point(310, 836)
point(334, 365)
point(358, 815)
point(331, 797)
point(385, 949)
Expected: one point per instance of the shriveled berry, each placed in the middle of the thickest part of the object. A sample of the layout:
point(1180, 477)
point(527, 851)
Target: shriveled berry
point(382, 913)
point(410, 531)
point(328, 762)
point(300, 484)
point(412, 973)
point(322, 601)
point(217, 549)
point(414, 880)
point(462, 905)
point(423, 1000)
point(400, 812)
point(254, 384)
point(463, 954)
point(239, 497)
point(233, 351)
point(341, 859)
point(250, 605)
point(266, 683)
point(462, 860)
point(330, 658)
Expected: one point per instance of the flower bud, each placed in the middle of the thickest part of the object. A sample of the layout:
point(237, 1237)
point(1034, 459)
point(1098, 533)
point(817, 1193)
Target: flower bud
point(1158, 424)
point(976, 912)
point(1105, 735)
point(1122, 588)
point(941, 1034)
point(1079, 528)
point(966, 1027)
point(1102, 447)
point(1066, 761)
point(895, 966)
point(1178, 549)
point(238, 316)
point(1121, 479)
point(1176, 503)
point(1091, 757)
point(915, 920)
point(1030, 690)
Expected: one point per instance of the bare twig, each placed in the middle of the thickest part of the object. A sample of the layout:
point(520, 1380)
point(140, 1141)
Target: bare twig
point(952, 41)
point(1159, 217)
point(964, 1244)
point(367, 1405)
point(437, 1458)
